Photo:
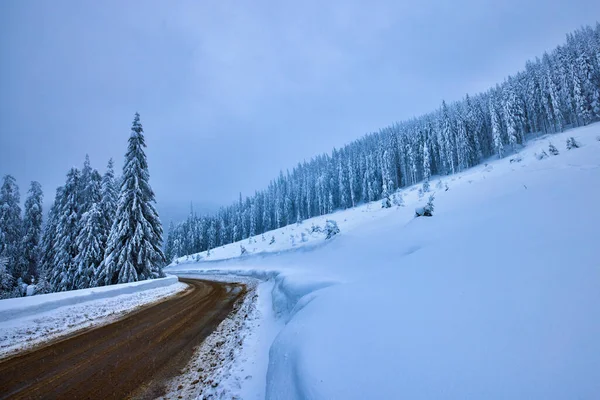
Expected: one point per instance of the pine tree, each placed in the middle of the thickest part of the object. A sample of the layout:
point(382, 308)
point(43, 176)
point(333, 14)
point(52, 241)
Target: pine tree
point(32, 231)
point(169, 245)
point(449, 140)
point(11, 226)
point(426, 162)
point(496, 130)
point(64, 268)
point(134, 244)
point(109, 195)
point(7, 282)
point(90, 245)
point(212, 235)
point(49, 236)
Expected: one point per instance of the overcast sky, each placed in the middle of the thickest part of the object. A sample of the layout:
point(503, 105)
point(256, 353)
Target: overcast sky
point(230, 92)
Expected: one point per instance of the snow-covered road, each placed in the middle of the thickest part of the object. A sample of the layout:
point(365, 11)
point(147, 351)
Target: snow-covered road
point(132, 357)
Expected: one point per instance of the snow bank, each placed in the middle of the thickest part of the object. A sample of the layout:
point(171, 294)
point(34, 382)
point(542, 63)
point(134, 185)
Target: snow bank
point(495, 296)
point(26, 306)
point(288, 289)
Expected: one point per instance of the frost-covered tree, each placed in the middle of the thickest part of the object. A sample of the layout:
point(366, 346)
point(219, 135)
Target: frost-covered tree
point(11, 226)
point(49, 236)
point(32, 231)
point(90, 244)
point(7, 282)
point(496, 129)
point(64, 268)
point(110, 194)
point(170, 244)
point(134, 244)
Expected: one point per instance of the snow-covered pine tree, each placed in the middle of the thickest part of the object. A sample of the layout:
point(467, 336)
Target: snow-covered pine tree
point(426, 162)
point(64, 268)
point(7, 282)
point(448, 137)
point(134, 244)
point(169, 245)
point(32, 231)
point(90, 244)
point(110, 195)
point(49, 235)
point(11, 226)
point(511, 116)
point(212, 235)
point(496, 129)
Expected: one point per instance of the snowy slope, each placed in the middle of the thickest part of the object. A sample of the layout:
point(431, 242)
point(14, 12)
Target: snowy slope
point(495, 296)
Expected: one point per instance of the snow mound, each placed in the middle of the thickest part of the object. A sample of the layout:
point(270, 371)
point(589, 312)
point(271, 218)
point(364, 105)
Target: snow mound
point(26, 306)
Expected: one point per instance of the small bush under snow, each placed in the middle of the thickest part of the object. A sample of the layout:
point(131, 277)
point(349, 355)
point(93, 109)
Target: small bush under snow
point(331, 229)
point(572, 143)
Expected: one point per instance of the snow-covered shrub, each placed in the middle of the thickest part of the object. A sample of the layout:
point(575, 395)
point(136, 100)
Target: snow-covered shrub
point(304, 237)
point(426, 186)
point(439, 184)
point(552, 149)
point(541, 156)
point(386, 202)
point(446, 187)
point(272, 240)
point(242, 250)
point(421, 194)
point(331, 229)
point(292, 240)
point(572, 143)
point(315, 229)
point(263, 237)
point(398, 199)
point(427, 210)
point(516, 159)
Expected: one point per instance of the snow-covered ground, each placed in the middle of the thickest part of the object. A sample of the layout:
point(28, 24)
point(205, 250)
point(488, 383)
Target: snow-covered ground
point(232, 362)
point(495, 296)
point(28, 321)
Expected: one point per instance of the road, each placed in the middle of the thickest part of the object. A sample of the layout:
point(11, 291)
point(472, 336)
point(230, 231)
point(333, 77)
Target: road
point(129, 358)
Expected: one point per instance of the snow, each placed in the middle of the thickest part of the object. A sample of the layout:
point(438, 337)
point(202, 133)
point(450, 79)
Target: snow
point(29, 321)
point(232, 362)
point(495, 296)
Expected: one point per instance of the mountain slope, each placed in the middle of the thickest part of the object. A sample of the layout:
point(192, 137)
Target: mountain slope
point(495, 296)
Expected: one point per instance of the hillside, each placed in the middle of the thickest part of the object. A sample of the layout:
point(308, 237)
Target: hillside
point(495, 296)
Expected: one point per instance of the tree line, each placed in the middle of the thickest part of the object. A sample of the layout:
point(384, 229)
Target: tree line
point(559, 91)
point(101, 230)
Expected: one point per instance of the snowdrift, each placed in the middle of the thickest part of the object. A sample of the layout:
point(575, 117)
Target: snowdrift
point(26, 306)
point(495, 296)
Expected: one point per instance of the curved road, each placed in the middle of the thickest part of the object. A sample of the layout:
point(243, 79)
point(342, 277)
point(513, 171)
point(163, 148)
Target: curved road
point(128, 358)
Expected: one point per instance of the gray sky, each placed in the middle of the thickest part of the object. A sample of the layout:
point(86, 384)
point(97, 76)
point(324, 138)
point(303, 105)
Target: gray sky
point(230, 92)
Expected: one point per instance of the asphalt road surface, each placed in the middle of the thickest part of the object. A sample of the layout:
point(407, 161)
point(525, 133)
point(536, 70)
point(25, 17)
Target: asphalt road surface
point(130, 358)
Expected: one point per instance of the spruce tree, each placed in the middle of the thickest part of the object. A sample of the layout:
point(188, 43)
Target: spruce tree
point(64, 268)
point(134, 244)
point(32, 231)
point(496, 129)
point(90, 244)
point(109, 195)
point(11, 226)
point(49, 236)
